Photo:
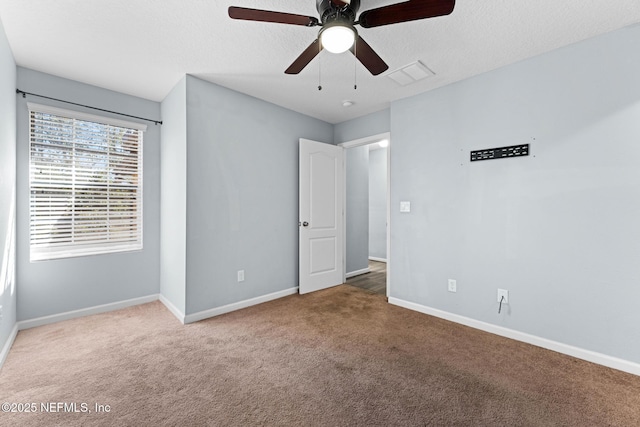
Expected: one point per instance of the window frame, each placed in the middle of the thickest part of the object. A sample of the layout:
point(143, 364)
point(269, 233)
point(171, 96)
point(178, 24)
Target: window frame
point(95, 246)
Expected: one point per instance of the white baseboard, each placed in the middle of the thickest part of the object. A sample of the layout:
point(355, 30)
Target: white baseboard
point(201, 315)
point(357, 272)
point(172, 308)
point(7, 345)
point(375, 258)
point(46, 320)
point(588, 355)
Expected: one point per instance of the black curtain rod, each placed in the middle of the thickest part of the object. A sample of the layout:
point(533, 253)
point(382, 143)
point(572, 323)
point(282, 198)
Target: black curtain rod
point(86, 106)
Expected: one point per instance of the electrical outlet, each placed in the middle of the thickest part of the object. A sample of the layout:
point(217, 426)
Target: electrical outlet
point(503, 293)
point(240, 275)
point(452, 285)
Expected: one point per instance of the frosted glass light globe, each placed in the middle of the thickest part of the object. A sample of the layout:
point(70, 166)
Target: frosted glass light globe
point(337, 39)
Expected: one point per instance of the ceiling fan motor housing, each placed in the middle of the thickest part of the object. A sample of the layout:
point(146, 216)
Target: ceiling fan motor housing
point(329, 11)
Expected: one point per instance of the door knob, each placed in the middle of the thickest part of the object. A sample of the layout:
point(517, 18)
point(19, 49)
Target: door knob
point(305, 224)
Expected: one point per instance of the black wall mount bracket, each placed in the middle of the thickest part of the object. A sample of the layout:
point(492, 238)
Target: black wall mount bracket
point(500, 153)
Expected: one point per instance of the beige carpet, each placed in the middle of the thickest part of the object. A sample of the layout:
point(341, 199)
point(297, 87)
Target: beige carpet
point(340, 357)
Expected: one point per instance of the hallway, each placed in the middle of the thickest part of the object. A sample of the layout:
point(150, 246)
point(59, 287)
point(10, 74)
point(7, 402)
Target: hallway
point(375, 281)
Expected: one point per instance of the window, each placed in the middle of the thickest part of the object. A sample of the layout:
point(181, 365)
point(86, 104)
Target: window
point(85, 182)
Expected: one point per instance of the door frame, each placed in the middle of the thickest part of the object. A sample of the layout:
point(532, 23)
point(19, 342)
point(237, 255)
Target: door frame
point(358, 143)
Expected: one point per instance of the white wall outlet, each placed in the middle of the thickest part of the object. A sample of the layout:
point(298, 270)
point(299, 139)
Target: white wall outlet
point(240, 275)
point(453, 287)
point(405, 207)
point(503, 293)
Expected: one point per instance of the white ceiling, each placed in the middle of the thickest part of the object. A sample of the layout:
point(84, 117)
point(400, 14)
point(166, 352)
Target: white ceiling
point(144, 47)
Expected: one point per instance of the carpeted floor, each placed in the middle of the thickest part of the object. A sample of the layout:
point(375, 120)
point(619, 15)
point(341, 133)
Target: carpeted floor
point(339, 357)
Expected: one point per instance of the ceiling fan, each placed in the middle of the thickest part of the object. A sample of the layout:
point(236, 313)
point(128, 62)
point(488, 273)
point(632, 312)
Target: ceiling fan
point(338, 20)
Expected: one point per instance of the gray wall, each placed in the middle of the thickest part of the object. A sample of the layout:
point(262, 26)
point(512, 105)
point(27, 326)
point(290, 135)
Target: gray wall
point(369, 125)
point(7, 188)
point(357, 208)
point(559, 229)
point(51, 287)
point(378, 203)
point(242, 194)
point(173, 204)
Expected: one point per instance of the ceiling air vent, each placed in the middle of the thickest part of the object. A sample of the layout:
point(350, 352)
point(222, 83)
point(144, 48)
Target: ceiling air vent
point(411, 73)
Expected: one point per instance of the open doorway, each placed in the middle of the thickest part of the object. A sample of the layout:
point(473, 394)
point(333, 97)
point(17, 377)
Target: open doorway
point(374, 281)
point(367, 213)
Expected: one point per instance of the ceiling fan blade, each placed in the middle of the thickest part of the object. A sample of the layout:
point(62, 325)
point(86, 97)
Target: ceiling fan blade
point(368, 57)
point(304, 58)
point(270, 16)
point(408, 11)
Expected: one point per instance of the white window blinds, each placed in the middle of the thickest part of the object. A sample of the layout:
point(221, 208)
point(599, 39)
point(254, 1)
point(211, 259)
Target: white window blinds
point(85, 184)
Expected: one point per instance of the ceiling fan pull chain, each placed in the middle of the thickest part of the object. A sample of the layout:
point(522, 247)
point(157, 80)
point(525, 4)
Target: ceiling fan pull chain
point(319, 67)
point(355, 66)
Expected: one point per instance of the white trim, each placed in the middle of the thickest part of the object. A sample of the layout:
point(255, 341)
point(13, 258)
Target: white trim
point(201, 315)
point(389, 218)
point(366, 140)
point(358, 272)
point(172, 308)
point(73, 114)
point(375, 258)
point(7, 345)
point(580, 353)
point(51, 254)
point(98, 309)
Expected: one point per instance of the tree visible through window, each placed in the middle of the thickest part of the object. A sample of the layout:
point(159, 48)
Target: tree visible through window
point(85, 184)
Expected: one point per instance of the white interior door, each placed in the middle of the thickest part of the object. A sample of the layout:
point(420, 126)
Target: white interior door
point(321, 215)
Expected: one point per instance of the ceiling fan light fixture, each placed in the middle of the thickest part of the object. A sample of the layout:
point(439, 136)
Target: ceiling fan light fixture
point(338, 38)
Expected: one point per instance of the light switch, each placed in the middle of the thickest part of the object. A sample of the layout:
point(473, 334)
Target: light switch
point(405, 206)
